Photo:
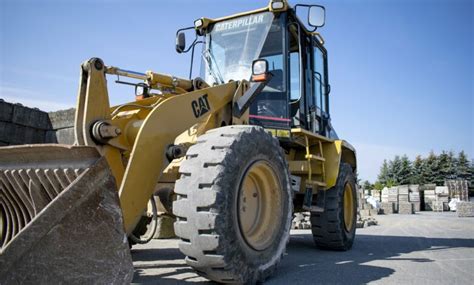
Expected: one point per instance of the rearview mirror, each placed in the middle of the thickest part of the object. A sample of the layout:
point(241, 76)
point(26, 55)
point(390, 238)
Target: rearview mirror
point(316, 16)
point(180, 42)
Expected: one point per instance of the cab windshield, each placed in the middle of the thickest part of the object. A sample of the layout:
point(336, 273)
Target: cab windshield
point(232, 45)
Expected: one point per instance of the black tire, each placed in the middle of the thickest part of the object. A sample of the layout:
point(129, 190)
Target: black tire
point(328, 228)
point(206, 209)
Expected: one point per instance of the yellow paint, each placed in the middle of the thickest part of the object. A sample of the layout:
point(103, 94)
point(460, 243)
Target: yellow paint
point(147, 161)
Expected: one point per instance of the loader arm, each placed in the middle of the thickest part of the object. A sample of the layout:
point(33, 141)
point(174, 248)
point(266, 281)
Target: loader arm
point(164, 123)
point(147, 136)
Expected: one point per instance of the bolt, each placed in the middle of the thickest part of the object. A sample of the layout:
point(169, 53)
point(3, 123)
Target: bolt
point(254, 195)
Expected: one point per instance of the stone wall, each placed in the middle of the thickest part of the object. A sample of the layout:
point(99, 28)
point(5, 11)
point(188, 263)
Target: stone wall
point(23, 125)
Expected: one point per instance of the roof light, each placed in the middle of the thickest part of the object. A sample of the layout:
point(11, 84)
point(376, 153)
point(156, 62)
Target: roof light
point(198, 23)
point(278, 5)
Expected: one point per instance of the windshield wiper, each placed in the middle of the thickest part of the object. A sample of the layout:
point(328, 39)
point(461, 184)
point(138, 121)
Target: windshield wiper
point(209, 59)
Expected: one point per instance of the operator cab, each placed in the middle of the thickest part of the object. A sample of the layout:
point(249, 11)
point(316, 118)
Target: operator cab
point(296, 96)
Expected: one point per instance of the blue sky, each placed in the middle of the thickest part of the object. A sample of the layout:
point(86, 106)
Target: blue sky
point(401, 72)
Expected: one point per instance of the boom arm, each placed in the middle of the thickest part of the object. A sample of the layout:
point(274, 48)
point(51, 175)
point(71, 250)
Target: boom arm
point(148, 137)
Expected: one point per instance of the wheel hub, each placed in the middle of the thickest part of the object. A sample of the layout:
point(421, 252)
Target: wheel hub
point(348, 207)
point(259, 205)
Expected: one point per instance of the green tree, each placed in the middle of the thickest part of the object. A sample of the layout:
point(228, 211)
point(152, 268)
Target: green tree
point(462, 166)
point(394, 170)
point(445, 167)
point(406, 171)
point(378, 185)
point(417, 176)
point(383, 174)
point(430, 168)
point(367, 186)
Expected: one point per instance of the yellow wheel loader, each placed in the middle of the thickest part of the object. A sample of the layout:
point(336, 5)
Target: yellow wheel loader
point(231, 154)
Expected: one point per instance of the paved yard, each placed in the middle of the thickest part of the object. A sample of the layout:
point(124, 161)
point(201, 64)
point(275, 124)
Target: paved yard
point(427, 248)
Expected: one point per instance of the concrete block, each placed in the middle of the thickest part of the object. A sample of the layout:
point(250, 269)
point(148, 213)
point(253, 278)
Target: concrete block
point(442, 190)
point(6, 111)
point(403, 190)
point(6, 131)
point(417, 206)
point(393, 198)
point(438, 206)
point(414, 188)
point(50, 137)
point(65, 136)
point(387, 208)
point(393, 191)
point(62, 119)
point(465, 209)
point(406, 208)
point(30, 117)
point(414, 197)
point(429, 192)
point(403, 198)
point(33, 136)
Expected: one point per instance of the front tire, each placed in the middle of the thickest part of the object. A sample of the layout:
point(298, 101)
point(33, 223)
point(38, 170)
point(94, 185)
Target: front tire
point(234, 205)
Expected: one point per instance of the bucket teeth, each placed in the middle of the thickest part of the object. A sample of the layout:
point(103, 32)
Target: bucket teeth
point(27, 188)
point(60, 217)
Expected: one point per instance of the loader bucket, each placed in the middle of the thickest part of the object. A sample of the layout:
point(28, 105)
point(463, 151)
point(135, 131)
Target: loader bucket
point(60, 218)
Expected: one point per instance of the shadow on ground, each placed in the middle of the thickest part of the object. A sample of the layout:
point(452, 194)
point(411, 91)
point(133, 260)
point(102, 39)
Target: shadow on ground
point(305, 263)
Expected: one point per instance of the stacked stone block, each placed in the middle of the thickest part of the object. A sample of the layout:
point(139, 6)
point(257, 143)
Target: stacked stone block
point(406, 208)
point(377, 195)
point(414, 197)
point(429, 195)
point(387, 207)
point(458, 189)
point(442, 198)
point(384, 196)
point(62, 126)
point(465, 209)
point(393, 197)
point(22, 125)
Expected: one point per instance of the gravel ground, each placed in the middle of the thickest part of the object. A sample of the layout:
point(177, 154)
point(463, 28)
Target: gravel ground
point(426, 248)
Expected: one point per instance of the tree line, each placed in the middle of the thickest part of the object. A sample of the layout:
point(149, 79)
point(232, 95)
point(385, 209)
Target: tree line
point(433, 169)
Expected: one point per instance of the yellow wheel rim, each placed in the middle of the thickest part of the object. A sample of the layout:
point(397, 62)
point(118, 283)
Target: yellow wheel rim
point(259, 204)
point(348, 207)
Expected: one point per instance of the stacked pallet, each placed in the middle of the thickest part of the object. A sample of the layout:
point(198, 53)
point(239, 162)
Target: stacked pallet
point(442, 198)
point(393, 197)
point(414, 197)
point(406, 208)
point(387, 208)
point(458, 189)
point(465, 209)
point(377, 195)
point(429, 195)
point(403, 193)
point(384, 196)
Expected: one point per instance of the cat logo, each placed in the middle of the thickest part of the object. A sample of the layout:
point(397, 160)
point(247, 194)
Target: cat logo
point(200, 106)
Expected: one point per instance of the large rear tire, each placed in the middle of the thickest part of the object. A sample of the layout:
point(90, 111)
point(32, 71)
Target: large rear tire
point(234, 205)
point(334, 229)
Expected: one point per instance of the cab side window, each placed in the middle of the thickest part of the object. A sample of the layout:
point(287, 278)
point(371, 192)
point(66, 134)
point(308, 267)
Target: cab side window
point(319, 86)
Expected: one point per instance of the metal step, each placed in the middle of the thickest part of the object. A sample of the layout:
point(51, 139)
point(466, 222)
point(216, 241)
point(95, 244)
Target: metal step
point(317, 183)
point(315, 157)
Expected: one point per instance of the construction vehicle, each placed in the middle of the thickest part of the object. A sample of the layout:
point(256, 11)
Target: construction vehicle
point(232, 156)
